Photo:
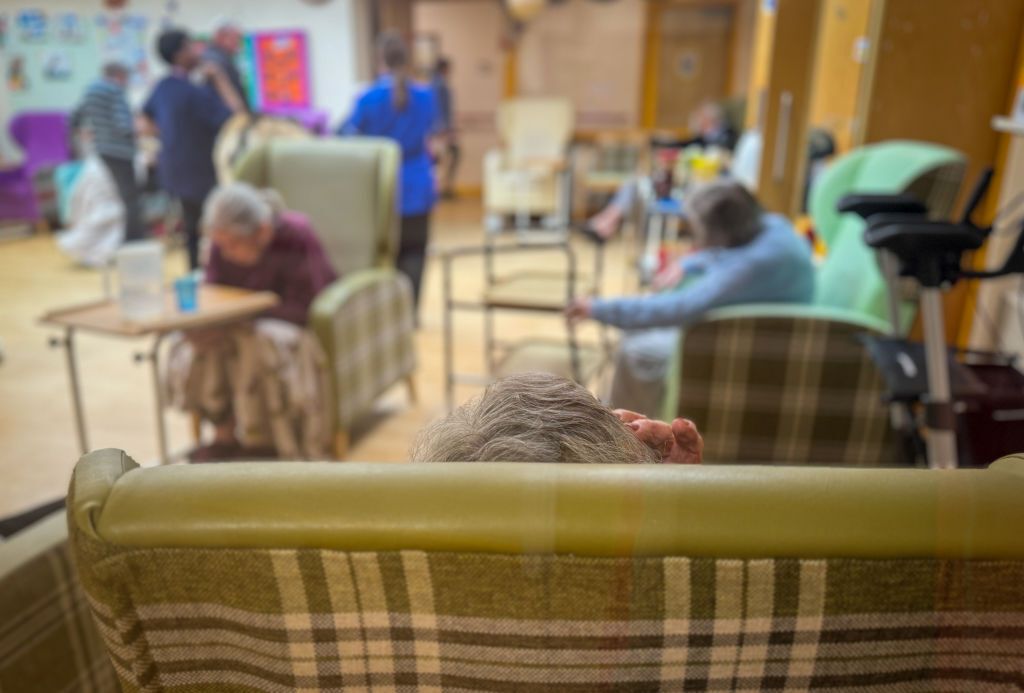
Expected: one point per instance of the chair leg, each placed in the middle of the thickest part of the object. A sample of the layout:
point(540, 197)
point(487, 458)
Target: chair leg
point(410, 386)
point(197, 427)
point(341, 445)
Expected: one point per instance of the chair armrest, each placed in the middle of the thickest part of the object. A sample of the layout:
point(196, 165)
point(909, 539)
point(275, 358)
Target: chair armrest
point(790, 310)
point(494, 160)
point(340, 292)
point(365, 324)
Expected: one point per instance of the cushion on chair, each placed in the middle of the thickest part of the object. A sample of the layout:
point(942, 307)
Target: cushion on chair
point(345, 185)
point(47, 638)
point(552, 577)
point(784, 384)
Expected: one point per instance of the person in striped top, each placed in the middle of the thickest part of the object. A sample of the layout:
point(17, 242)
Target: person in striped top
point(105, 113)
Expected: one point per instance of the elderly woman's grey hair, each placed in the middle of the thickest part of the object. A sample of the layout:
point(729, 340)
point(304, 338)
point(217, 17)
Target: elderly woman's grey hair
point(532, 417)
point(240, 209)
point(724, 214)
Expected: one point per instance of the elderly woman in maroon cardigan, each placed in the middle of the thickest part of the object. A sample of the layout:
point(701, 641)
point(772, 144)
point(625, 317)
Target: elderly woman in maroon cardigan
point(240, 377)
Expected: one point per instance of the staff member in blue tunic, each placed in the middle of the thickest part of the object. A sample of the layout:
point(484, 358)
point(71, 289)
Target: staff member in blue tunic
point(396, 108)
point(187, 118)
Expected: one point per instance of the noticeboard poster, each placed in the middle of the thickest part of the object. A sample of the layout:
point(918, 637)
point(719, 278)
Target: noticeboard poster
point(280, 64)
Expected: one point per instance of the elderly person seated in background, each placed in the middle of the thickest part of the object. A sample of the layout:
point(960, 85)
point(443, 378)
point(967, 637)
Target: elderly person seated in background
point(260, 383)
point(713, 131)
point(745, 256)
point(538, 417)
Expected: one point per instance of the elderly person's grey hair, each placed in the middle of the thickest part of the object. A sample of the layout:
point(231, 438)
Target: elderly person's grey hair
point(532, 417)
point(724, 214)
point(240, 209)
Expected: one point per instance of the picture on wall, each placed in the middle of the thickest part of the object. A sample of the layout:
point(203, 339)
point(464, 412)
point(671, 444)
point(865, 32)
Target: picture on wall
point(32, 26)
point(122, 37)
point(280, 62)
point(17, 80)
point(57, 66)
point(70, 28)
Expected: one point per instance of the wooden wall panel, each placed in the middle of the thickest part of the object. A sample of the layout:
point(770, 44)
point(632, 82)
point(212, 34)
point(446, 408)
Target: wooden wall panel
point(842, 50)
point(764, 43)
point(943, 70)
point(788, 91)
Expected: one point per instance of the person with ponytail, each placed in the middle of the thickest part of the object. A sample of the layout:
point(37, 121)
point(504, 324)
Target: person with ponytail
point(397, 108)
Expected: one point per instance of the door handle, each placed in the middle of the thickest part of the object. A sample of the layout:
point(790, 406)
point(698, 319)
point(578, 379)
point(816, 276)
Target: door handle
point(782, 137)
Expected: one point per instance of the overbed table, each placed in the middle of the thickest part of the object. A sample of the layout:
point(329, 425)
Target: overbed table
point(218, 306)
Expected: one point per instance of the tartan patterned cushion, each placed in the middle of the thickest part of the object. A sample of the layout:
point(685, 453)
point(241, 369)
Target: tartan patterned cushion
point(365, 325)
point(784, 389)
point(47, 638)
point(282, 620)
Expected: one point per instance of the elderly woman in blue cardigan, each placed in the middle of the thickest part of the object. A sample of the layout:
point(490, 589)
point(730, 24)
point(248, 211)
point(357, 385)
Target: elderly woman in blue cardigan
point(746, 256)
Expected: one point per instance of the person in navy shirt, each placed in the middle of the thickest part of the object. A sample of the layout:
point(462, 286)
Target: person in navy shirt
point(187, 117)
point(395, 108)
point(444, 128)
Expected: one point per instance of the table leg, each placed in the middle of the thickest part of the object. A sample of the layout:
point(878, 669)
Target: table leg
point(649, 262)
point(76, 390)
point(158, 396)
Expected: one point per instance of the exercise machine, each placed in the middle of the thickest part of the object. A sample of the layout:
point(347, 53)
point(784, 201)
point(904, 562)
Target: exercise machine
point(931, 253)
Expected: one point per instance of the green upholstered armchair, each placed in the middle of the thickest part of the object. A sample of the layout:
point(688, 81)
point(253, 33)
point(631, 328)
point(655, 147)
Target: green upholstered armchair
point(850, 278)
point(791, 384)
point(547, 577)
point(48, 641)
point(364, 321)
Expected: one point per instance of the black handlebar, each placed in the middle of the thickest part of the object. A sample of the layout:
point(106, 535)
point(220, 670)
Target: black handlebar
point(981, 187)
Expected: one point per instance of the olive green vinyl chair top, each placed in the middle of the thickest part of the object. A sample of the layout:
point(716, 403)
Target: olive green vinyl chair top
point(349, 188)
point(545, 577)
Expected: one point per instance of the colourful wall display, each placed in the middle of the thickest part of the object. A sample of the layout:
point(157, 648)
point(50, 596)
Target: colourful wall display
point(280, 70)
point(50, 58)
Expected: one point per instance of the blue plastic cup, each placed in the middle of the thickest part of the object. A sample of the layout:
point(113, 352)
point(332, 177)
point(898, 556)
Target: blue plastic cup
point(187, 291)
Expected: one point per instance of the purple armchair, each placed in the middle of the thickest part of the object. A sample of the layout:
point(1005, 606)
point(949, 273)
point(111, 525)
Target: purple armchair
point(44, 141)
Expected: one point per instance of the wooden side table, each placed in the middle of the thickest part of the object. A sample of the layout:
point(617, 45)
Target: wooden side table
point(218, 306)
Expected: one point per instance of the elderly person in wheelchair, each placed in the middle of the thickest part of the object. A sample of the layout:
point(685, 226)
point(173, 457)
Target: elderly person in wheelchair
point(261, 383)
point(744, 255)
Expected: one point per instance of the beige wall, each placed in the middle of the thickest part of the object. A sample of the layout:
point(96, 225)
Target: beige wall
point(590, 52)
point(470, 33)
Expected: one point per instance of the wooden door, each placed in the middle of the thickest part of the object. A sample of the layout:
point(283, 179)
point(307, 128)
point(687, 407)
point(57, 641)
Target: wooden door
point(693, 60)
point(786, 103)
point(842, 52)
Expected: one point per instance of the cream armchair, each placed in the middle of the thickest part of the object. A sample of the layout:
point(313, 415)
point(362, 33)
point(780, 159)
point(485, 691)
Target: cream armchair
point(364, 321)
point(529, 174)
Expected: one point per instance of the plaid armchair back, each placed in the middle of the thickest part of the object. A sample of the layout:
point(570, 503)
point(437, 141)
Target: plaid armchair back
point(47, 638)
point(317, 620)
point(270, 577)
point(784, 389)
